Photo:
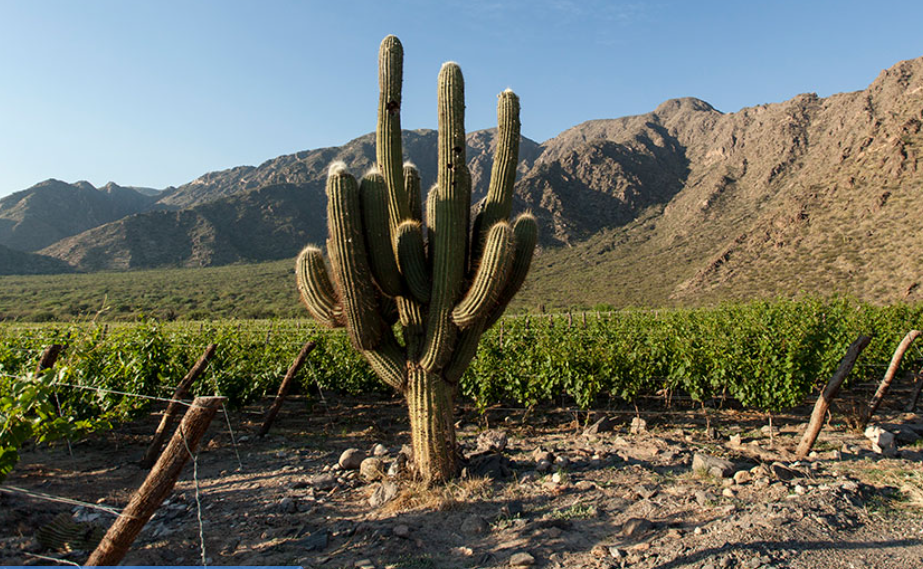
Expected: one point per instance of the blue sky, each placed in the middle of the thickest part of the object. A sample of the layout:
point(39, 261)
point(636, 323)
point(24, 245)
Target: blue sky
point(156, 93)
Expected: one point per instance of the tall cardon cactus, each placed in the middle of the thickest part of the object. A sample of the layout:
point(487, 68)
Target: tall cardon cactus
point(443, 278)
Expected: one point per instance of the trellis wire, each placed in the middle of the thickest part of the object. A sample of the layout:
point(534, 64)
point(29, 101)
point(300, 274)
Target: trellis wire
point(15, 490)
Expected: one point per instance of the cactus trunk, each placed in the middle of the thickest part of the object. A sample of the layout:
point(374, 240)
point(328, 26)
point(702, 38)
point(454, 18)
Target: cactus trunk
point(447, 286)
point(432, 427)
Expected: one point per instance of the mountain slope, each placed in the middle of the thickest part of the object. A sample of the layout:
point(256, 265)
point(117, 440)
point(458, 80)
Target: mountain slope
point(810, 195)
point(309, 168)
point(14, 262)
point(269, 222)
point(52, 210)
point(684, 204)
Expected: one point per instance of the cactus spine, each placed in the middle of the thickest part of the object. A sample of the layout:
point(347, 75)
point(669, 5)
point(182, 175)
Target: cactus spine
point(448, 286)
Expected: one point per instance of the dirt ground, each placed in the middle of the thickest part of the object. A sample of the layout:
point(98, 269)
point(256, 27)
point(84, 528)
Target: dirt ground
point(610, 499)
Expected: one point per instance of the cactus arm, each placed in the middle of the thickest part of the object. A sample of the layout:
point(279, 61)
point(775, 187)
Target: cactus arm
point(525, 236)
point(388, 310)
point(468, 341)
point(352, 276)
point(374, 196)
point(388, 148)
point(499, 201)
point(316, 290)
point(448, 237)
point(411, 258)
point(412, 188)
point(388, 361)
point(490, 279)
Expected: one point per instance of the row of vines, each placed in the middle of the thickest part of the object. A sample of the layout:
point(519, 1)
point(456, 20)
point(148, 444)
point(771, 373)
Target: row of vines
point(765, 355)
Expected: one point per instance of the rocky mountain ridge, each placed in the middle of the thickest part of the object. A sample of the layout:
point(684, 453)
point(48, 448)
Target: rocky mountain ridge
point(802, 195)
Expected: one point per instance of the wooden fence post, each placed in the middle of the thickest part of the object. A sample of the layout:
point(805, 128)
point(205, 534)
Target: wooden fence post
point(916, 391)
point(49, 357)
point(158, 484)
point(182, 390)
point(823, 402)
point(889, 377)
point(284, 388)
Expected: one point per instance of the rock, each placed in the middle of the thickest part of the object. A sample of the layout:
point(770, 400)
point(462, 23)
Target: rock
point(487, 465)
point(288, 506)
point(759, 471)
point(799, 489)
point(372, 468)
point(522, 559)
point(850, 486)
point(559, 477)
point(351, 459)
point(712, 434)
point(543, 466)
point(904, 433)
point(767, 430)
point(385, 492)
point(603, 425)
point(616, 553)
point(728, 493)
point(474, 525)
point(735, 440)
point(635, 527)
point(323, 481)
point(561, 462)
point(379, 450)
point(714, 466)
point(492, 441)
point(401, 530)
point(742, 477)
point(882, 440)
point(782, 472)
point(638, 426)
point(646, 492)
point(584, 485)
point(703, 498)
point(541, 454)
point(316, 541)
point(364, 564)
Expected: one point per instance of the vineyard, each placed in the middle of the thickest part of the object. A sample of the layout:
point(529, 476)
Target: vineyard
point(747, 359)
point(762, 355)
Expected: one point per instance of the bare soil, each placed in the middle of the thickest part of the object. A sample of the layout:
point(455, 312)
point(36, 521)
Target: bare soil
point(619, 499)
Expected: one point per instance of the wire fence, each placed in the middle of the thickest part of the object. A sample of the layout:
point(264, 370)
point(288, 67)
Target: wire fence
point(194, 457)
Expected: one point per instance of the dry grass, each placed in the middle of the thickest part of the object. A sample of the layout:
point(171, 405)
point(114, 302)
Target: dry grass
point(417, 495)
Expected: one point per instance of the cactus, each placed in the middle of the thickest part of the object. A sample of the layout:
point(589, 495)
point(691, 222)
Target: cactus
point(444, 287)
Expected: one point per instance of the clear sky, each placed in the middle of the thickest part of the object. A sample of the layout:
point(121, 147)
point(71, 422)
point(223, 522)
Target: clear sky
point(156, 93)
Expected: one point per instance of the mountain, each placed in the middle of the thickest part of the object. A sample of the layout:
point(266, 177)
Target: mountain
point(14, 262)
point(309, 168)
point(684, 204)
point(254, 213)
point(817, 195)
point(267, 223)
point(52, 210)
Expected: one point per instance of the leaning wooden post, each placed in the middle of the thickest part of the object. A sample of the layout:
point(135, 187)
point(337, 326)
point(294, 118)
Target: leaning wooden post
point(49, 357)
point(918, 377)
point(823, 402)
point(285, 387)
point(158, 484)
point(182, 390)
point(889, 376)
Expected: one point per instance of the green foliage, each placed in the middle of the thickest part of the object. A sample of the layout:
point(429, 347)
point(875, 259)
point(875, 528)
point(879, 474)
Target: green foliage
point(765, 355)
point(29, 409)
